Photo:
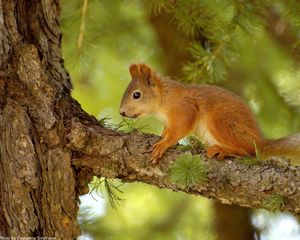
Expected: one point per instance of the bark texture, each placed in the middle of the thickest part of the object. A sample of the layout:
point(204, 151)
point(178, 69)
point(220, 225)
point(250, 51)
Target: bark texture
point(50, 148)
point(37, 181)
point(126, 156)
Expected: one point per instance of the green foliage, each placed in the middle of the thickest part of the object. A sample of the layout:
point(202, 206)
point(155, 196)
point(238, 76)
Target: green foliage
point(125, 125)
point(273, 203)
point(211, 60)
point(205, 66)
point(111, 188)
point(289, 11)
point(195, 18)
point(193, 143)
point(130, 125)
point(104, 121)
point(156, 6)
point(252, 160)
point(188, 170)
point(216, 22)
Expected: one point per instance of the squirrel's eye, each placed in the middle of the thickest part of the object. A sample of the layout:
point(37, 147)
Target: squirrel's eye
point(136, 95)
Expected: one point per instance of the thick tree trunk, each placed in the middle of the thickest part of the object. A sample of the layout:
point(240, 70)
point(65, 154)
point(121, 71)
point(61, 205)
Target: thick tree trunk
point(37, 183)
point(50, 148)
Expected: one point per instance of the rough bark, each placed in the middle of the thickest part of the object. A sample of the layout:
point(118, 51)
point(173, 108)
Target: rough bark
point(126, 156)
point(50, 148)
point(37, 181)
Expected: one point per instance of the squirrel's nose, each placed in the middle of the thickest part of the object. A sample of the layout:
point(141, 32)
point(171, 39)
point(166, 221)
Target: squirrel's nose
point(122, 112)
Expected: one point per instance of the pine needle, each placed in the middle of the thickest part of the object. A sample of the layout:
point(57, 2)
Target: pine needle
point(193, 143)
point(112, 190)
point(156, 6)
point(273, 203)
point(129, 125)
point(188, 170)
point(105, 121)
point(126, 125)
point(252, 160)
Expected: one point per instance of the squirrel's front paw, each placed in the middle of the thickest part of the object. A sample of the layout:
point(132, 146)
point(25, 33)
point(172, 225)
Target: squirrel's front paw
point(157, 152)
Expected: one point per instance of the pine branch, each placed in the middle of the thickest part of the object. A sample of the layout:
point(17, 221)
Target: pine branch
point(108, 153)
point(210, 61)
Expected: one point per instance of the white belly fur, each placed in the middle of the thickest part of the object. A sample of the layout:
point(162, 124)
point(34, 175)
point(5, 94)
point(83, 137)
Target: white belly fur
point(203, 133)
point(200, 131)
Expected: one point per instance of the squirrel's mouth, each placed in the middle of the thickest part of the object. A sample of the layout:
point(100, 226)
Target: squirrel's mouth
point(136, 115)
point(132, 116)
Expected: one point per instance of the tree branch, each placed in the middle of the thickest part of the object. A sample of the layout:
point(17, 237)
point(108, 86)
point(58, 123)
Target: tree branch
point(107, 153)
point(282, 33)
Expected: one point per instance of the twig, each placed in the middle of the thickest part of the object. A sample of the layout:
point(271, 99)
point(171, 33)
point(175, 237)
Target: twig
point(82, 24)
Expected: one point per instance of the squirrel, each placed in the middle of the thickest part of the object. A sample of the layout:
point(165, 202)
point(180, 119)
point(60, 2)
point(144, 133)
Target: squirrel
point(219, 117)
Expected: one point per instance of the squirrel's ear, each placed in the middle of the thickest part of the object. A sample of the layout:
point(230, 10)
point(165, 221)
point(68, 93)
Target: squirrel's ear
point(148, 75)
point(134, 71)
point(145, 70)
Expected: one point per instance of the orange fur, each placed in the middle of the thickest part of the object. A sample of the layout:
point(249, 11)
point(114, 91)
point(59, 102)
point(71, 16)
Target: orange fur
point(212, 113)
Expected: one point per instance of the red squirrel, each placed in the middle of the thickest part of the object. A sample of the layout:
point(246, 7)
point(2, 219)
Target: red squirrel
point(217, 116)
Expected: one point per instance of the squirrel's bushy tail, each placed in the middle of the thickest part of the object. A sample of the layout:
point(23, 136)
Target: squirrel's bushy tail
point(286, 147)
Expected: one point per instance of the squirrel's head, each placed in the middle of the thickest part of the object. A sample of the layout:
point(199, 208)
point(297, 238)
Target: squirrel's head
point(141, 95)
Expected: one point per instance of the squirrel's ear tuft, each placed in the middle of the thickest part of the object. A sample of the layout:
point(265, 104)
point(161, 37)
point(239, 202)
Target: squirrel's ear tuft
point(134, 71)
point(145, 70)
point(149, 75)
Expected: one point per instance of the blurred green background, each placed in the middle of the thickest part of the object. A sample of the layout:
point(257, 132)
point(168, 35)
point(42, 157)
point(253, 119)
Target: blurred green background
point(251, 48)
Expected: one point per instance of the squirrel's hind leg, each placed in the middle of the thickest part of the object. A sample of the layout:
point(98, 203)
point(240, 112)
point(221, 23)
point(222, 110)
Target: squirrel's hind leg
point(214, 150)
